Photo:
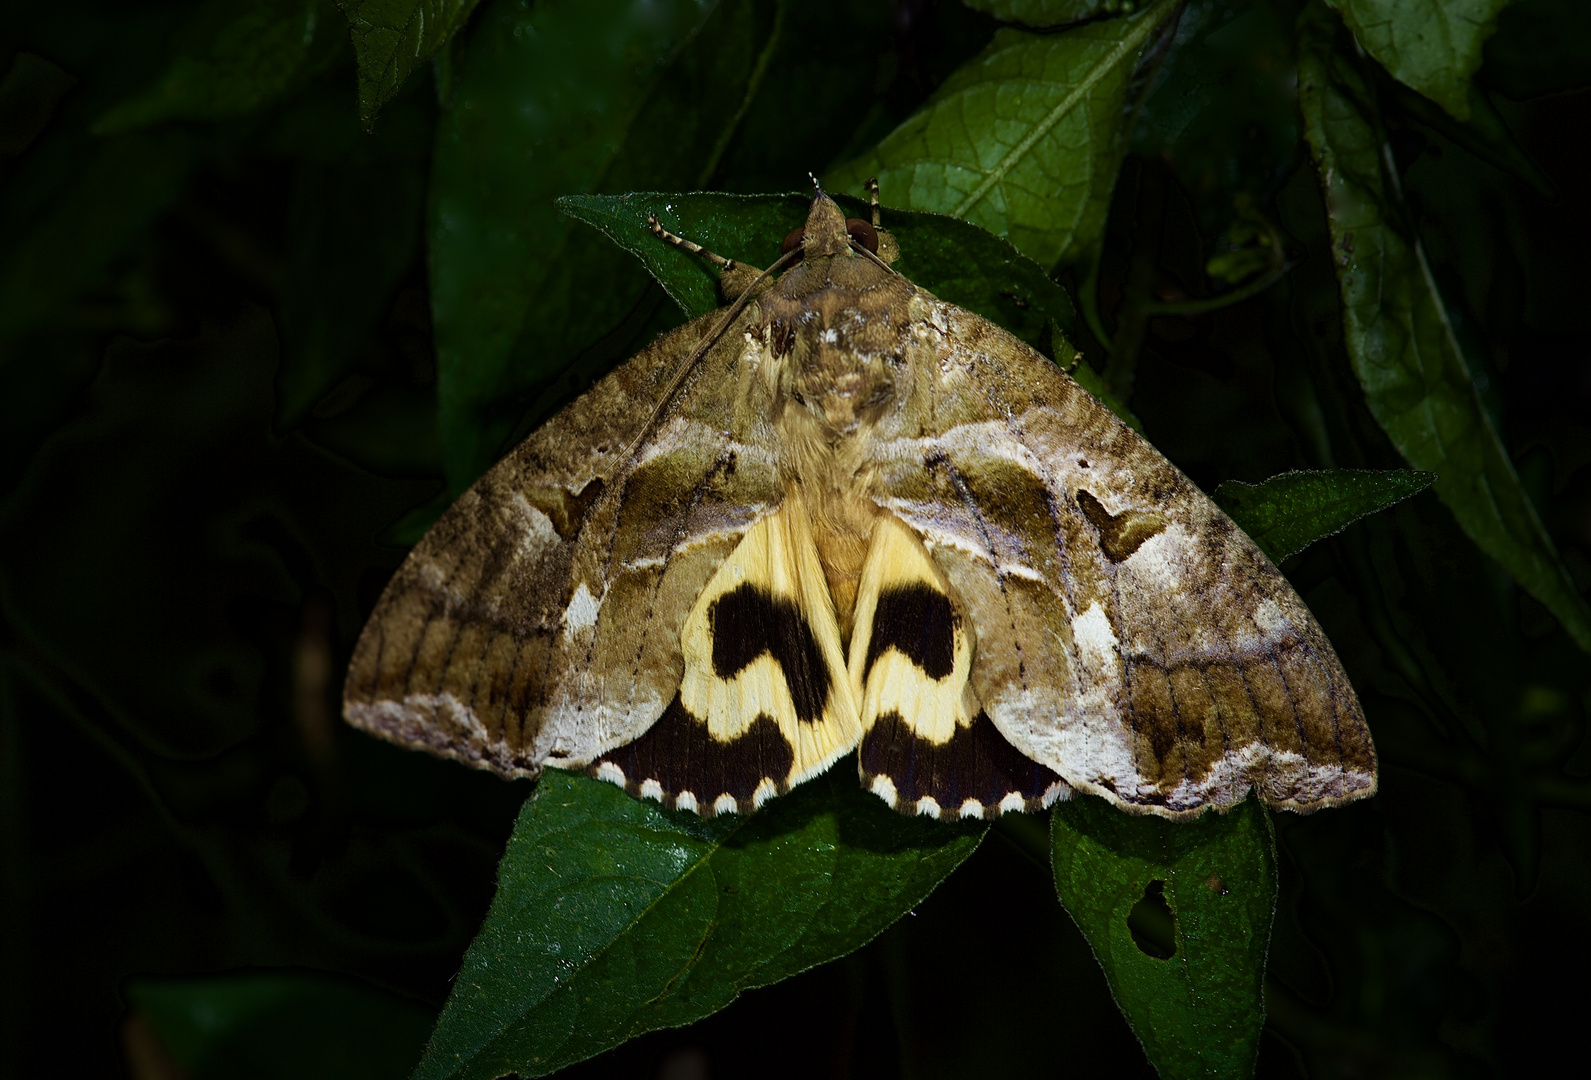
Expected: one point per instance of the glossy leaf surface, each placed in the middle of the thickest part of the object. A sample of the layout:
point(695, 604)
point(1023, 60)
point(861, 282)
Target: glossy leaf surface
point(614, 917)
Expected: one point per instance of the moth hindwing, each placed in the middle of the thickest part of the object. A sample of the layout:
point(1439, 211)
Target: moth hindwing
point(840, 514)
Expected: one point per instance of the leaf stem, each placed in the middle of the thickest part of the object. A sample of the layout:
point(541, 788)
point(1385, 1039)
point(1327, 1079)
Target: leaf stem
point(1216, 303)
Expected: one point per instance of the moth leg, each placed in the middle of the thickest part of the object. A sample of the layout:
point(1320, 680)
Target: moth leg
point(734, 278)
point(888, 249)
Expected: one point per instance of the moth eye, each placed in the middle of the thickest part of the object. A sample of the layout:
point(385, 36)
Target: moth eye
point(862, 233)
point(792, 241)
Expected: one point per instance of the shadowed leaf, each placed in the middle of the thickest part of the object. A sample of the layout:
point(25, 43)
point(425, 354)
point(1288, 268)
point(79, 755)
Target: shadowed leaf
point(1041, 13)
point(393, 37)
point(230, 59)
point(1223, 109)
point(1400, 335)
point(1433, 46)
point(1287, 513)
point(614, 917)
point(1024, 140)
point(1541, 46)
point(103, 209)
point(1192, 989)
point(287, 1023)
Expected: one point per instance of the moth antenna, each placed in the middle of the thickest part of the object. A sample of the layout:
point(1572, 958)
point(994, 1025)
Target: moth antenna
point(680, 242)
point(872, 191)
point(701, 350)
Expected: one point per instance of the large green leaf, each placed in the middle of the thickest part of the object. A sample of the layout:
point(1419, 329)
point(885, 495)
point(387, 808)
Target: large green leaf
point(1433, 46)
point(952, 259)
point(1400, 335)
point(231, 58)
point(556, 99)
point(1287, 513)
point(1192, 991)
point(393, 37)
point(614, 917)
point(1024, 140)
point(281, 1023)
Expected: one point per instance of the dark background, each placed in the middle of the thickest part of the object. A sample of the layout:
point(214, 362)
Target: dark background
point(195, 520)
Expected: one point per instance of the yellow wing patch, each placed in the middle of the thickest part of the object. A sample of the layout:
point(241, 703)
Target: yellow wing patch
point(762, 644)
point(911, 651)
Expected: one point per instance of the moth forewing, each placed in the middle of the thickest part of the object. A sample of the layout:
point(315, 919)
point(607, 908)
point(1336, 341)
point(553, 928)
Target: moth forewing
point(840, 514)
point(1129, 636)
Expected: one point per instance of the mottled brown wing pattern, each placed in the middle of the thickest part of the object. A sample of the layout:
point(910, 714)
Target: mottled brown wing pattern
point(539, 621)
point(1129, 636)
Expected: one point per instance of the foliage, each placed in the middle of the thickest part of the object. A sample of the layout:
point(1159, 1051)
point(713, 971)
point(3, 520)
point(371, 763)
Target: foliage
point(614, 917)
point(1326, 253)
point(1192, 991)
point(1287, 513)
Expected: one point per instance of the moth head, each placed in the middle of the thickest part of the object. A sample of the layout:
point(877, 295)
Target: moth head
point(826, 232)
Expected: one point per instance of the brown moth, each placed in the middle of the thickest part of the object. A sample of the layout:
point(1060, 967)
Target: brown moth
point(841, 514)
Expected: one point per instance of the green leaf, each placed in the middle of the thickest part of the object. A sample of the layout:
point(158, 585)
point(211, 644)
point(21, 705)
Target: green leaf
point(1400, 336)
point(952, 259)
point(1287, 513)
point(231, 58)
point(282, 1024)
point(1433, 46)
point(556, 99)
point(1198, 1011)
point(1042, 13)
point(614, 917)
point(1024, 140)
point(392, 38)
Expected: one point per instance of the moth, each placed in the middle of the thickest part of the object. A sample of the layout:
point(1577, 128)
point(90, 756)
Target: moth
point(841, 514)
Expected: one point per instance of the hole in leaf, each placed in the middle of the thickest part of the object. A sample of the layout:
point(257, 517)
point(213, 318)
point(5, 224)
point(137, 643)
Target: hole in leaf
point(1153, 927)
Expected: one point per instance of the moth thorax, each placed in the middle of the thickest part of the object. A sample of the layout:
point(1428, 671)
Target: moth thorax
point(839, 388)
